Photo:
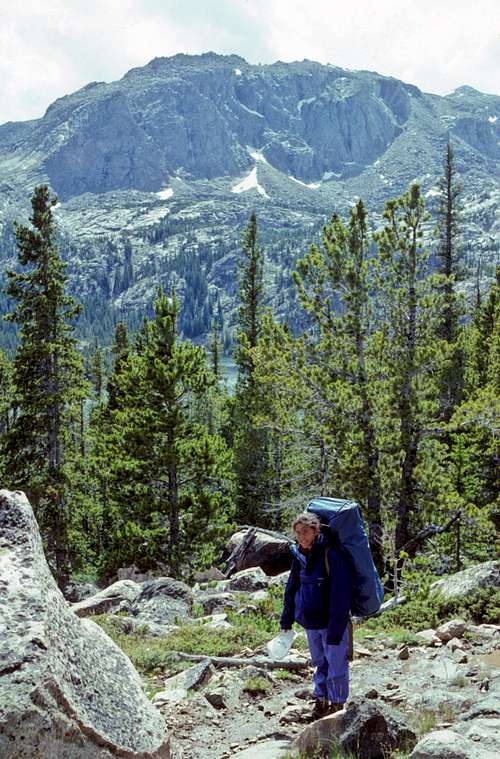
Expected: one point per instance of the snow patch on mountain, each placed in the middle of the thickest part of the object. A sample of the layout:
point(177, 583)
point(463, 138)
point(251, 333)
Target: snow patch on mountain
point(257, 155)
point(165, 194)
point(312, 185)
point(250, 183)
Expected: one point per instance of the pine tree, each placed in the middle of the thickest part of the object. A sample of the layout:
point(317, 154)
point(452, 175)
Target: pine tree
point(49, 381)
point(250, 441)
point(408, 355)
point(333, 284)
point(170, 476)
point(449, 266)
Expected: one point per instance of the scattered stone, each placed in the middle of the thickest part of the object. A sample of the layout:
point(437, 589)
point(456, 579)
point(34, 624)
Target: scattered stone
point(484, 685)
point(249, 580)
point(487, 707)
point(360, 651)
point(455, 628)
point(270, 552)
point(133, 573)
point(116, 597)
point(428, 637)
point(66, 690)
point(296, 713)
point(372, 693)
point(223, 691)
point(456, 644)
point(163, 601)
point(468, 581)
point(447, 744)
point(392, 686)
point(192, 678)
point(134, 626)
point(209, 575)
point(319, 736)
point(218, 602)
point(279, 580)
point(372, 730)
point(404, 653)
point(74, 592)
point(264, 750)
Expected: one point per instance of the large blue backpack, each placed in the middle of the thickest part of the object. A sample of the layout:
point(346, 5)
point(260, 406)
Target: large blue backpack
point(341, 522)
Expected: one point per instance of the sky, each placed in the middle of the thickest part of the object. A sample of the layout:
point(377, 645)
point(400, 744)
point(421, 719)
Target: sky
point(53, 47)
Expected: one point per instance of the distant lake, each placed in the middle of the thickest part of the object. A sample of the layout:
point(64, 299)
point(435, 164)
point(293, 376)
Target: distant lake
point(229, 372)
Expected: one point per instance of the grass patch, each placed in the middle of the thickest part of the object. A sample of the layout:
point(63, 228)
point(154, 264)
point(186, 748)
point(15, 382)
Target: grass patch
point(283, 674)
point(147, 653)
point(257, 686)
point(424, 720)
point(459, 681)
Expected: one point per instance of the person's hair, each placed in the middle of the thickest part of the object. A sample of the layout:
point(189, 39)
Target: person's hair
point(308, 520)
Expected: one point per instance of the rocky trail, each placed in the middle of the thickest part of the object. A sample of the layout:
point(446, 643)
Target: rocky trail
point(453, 687)
point(68, 691)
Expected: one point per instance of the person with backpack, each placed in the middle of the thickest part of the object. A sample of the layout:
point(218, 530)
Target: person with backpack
point(318, 597)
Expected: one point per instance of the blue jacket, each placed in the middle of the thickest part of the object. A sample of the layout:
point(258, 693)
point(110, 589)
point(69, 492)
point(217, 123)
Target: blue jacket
point(315, 598)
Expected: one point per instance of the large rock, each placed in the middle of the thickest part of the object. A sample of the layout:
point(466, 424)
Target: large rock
point(319, 736)
point(163, 601)
point(447, 744)
point(177, 688)
point(468, 581)
point(249, 580)
point(455, 628)
point(66, 690)
point(372, 730)
point(116, 597)
point(271, 553)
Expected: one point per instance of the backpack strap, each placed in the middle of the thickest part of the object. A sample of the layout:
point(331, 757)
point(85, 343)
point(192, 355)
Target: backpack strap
point(350, 651)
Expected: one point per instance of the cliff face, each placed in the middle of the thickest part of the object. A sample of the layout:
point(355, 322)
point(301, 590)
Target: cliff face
point(176, 154)
point(199, 114)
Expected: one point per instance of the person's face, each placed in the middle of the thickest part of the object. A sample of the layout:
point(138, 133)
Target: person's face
point(305, 535)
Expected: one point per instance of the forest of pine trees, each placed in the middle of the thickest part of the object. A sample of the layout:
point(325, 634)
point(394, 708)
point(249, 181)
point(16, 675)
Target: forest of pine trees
point(388, 394)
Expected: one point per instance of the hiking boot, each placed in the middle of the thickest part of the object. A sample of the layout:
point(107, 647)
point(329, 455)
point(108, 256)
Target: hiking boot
point(335, 707)
point(320, 708)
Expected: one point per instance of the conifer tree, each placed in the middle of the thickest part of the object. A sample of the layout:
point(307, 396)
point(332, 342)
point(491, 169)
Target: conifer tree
point(171, 477)
point(49, 381)
point(408, 358)
point(449, 266)
point(250, 441)
point(333, 284)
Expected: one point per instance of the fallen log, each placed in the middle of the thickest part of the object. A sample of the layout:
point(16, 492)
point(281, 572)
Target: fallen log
point(260, 661)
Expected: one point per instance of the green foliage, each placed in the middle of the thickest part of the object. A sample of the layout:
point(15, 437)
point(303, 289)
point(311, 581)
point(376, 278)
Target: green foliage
point(250, 442)
point(257, 686)
point(43, 441)
point(192, 638)
point(167, 489)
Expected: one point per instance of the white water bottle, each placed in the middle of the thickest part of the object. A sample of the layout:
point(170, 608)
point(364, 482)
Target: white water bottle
point(279, 646)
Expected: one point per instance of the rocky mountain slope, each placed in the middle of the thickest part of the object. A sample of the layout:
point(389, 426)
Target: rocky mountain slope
point(157, 173)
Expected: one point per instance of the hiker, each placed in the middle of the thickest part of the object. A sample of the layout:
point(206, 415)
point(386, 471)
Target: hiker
point(318, 597)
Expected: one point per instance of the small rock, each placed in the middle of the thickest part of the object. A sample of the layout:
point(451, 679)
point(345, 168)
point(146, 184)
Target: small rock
point(455, 643)
point(295, 713)
point(359, 651)
point(404, 653)
point(372, 693)
point(429, 637)
point(249, 580)
point(455, 628)
point(392, 686)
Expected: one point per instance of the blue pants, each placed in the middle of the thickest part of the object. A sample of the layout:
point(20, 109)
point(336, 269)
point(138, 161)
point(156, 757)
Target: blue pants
point(331, 676)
